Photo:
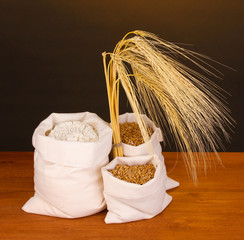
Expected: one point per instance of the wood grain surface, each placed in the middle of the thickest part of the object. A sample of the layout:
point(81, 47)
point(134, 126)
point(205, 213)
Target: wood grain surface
point(212, 210)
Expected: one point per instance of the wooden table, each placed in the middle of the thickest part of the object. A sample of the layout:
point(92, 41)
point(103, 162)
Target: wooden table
point(212, 210)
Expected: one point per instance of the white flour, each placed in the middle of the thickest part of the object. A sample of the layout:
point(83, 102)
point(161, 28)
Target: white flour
point(74, 131)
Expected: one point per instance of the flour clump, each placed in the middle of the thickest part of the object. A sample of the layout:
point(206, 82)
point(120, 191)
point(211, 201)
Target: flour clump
point(74, 131)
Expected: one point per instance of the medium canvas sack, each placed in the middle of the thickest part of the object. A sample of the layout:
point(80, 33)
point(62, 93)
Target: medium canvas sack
point(67, 175)
point(142, 149)
point(128, 202)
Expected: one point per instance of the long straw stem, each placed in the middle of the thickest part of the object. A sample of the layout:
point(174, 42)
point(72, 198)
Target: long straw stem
point(113, 99)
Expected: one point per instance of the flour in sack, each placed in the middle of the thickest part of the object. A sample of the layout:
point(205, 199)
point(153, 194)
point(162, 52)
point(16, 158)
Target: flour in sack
point(74, 131)
point(67, 174)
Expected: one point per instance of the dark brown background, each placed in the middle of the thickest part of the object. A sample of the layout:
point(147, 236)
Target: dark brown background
point(50, 54)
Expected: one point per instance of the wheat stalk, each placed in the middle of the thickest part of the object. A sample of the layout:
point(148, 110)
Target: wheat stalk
point(186, 103)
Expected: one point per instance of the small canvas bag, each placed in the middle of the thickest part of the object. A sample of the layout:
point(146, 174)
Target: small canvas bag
point(67, 175)
point(128, 202)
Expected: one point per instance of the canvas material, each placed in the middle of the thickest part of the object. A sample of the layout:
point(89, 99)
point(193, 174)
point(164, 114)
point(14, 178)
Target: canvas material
point(67, 175)
point(143, 149)
point(128, 202)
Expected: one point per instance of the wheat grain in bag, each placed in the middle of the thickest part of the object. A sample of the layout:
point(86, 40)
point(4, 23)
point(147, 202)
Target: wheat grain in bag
point(142, 149)
point(128, 202)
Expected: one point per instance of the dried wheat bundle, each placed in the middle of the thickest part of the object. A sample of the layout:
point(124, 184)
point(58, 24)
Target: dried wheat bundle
point(186, 103)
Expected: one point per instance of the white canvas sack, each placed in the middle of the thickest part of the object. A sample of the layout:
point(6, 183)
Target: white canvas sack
point(128, 202)
point(142, 149)
point(67, 175)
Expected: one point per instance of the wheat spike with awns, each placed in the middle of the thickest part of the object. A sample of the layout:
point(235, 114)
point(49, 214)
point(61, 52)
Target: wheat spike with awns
point(187, 104)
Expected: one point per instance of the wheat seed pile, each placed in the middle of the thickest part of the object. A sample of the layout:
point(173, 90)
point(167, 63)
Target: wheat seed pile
point(138, 174)
point(130, 133)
